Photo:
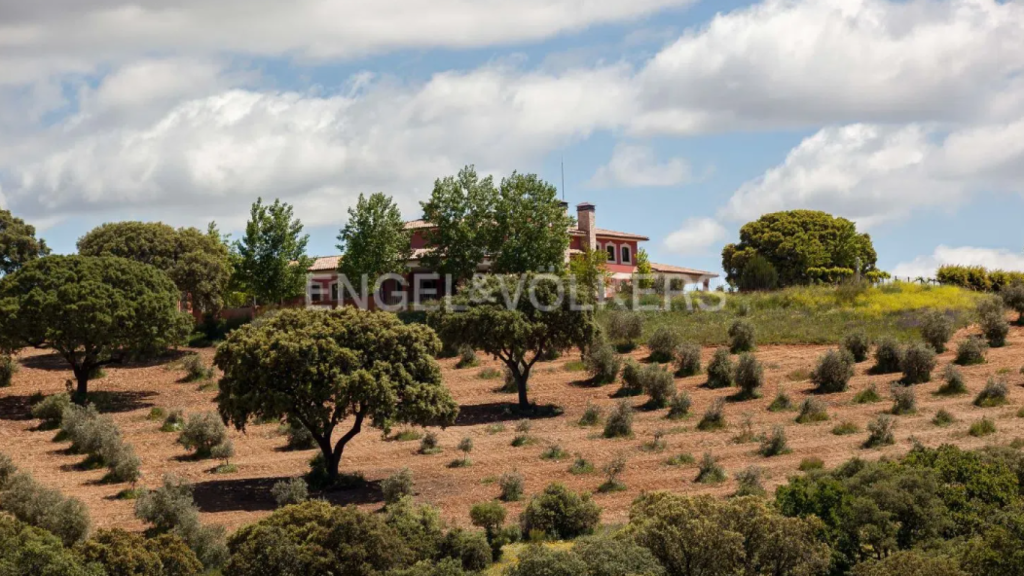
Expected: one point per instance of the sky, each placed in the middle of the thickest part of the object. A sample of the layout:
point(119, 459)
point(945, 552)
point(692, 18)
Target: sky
point(679, 119)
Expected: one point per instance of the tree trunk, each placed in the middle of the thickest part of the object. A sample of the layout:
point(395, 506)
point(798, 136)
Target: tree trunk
point(82, 390)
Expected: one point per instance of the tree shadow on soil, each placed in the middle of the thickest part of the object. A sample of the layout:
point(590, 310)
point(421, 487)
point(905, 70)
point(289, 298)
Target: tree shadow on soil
point(53, 362)
point(476, 414)
point(16, 407)
point(253, 494)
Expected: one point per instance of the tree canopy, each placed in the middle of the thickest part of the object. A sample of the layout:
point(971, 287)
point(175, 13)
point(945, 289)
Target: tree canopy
point(374, 241)
point(18, 243)
point(197, 262)
point(802, 246)
point(91, 310)
point(462, 210)
point(519, 332)
point(318, 368)
point(270, 259)
point(530, 226)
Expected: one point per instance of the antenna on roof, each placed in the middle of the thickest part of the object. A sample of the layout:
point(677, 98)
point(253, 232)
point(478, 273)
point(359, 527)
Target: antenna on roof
point(563, 178)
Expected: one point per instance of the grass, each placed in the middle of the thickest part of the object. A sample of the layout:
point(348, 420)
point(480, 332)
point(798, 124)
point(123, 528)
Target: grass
point(812, 314)
point(225, 469)
point(868, 395)
point(489, 374)
point(554, 452)
point(129, 494)
point(983, 427)
point(574, 366)
point(811, 463)
point(510, 555)
point(943, 418)
point(581, 466)
point(845, 428)
point(684, 459)
point(611, 486)
point(494, 429)
point(407, 435)
point(799, 375)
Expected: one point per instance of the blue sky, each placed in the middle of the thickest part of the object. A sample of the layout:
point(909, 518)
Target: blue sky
point(679, 119)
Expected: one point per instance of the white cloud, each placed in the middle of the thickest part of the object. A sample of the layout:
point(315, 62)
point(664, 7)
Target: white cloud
point(696, 236)
point(991, 258)
point(634, 165)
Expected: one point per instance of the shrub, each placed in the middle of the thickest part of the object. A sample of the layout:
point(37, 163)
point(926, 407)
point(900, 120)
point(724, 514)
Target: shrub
point(687, 359)
point(868, 395)
point(936, 329)
point(429, 444)
point(288, 492)
point(8, 366)
point(51, 410)
point(833, 371)
point(560, 513)
point(123, 464)
point(509, 385)
point(168, 506)
point(858, 345)
point(489, 374)
point(746, 431)
point(657, 383)
point(720, 369)
point(613, 555)
point(749, 376)
point(774, 444)
point(880, 432)
point(625, 328)
point(741, 337)
point(522, 437)
point(812, 410)
point(904, 401)
point(748, 482)
point(298, 436)
point(710, 472)
point(845, 428)
point(953, 382)
point(714, 417)
point(663, 343)
point(123, 553)
point(7, 469)
point(223, 451)
point(156, 413)
point(888, 357)
point(780, 403)
point(470, 549)
point(992, 319)
point(612, 470)
point(488, 515)
point(511, 485)
point(467, 358)
point(174, 421)
point(465, 446)
point(602, 363)
point(970, 351)
point(679, 405)
point(581, 466)
point(1013, 298)
point(397, 486)
point(918, 363)
point(982, 427)
point(620, 422)
point(195, 369)
point(37, 505)
point(201, 433)
point(993, 394)
point(591, 415)
point(632, 381)
point(811, 463)
point(553, 452)
point(542, 561)
point(943, 418)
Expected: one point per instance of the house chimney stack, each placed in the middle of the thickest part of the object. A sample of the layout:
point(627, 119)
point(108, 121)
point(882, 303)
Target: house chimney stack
point(587, 222)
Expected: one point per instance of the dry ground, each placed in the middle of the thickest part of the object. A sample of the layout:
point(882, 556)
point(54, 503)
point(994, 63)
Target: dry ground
point(239, 498)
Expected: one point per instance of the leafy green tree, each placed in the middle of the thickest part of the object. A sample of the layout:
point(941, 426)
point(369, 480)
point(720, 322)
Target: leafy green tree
point(643, 268)
point(374, 240)
point(197, 262)
point(798, 240)
point(319, 368)
point(18, 243)
point(124, 553)
point(461, 208)
point(271, 259)
point(518, 331)
point(530, 227)
point(28, 550)
point(92, 311)
point(590, 270)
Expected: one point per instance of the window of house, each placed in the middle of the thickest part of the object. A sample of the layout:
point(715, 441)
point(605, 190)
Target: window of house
point(625, 255)
point(315, 292)
point(334, 291)
point(611, 253)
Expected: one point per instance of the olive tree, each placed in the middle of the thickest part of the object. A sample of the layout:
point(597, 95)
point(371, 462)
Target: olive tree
point(518, 320)
point(323, 368)
point(93, 311)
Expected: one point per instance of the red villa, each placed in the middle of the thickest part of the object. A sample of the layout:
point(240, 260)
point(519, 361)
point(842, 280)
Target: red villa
point(323, 286)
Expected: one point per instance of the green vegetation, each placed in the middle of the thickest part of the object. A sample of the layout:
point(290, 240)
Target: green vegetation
point(687, 359)
point(374, 241)
point(709, 471)
point(591, 415)
point(8, 367)
point(977, 278)
point(270, 259)
point(663, 343)
point(749, 377)
point(679, 406)
point(602, 363)
point(943, 418)
point(983, 427)
point(812, 410)
point(714, 417)
point(625, 328)
point(619, 423)
point(774, 444)
point(18, 243)
point(868, 395)
point(833, 371)
point(720, 370)
point(917, 364)
point(741, 337)
point(811, 463)
point(993, 394)
point(881, 432)
point(845, 428)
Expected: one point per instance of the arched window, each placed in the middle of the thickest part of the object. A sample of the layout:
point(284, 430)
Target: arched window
point(611, 252)
point(626, 256)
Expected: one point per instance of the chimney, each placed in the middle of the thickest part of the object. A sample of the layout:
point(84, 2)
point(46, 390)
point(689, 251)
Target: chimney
point(587, 222)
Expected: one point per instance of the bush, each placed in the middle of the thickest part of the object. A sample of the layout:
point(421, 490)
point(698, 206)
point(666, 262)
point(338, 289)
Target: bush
point(888, 357)
point(470, 549)
point(397, 486)
point(122, 462)
point(620, 422)
point(904, 401)
point(918, 363)
point(523, 433)
point(812, 410)
point(51, 410)
point(288, 492)
point(612, 470)
point(741, 337)
point(467, 358)
point(710, 472)
point(858, 345)
point(429, 444)
point(774, 444)
point(465, 446)
point(833, 371)
point(542, 561)
point(993, 394)
point(657, 383)
point(714, 417)
point(195, 369)
point(943, 418)
point(749, 376)
point(614, 555)
point(591, 415)
point(982, 427)
point(625, 328)
point(811, 463)
point(748, 482)
point(7, 469)
point(201, 433)
point(758, 274)
point(970, 351)
point(881, 432)
point(602, 363)
point(936, 329)
point(174, 421)
point(845, 428)
point(780, 403)
point(8, 366)
point(868, 395)
point(632, 381)
point(1013, 298)
point(581, 466)
point(488, 515)
point(298, 436)
point(720, 369)
point(37, 505)
point(992, 319)
point(663, 343)
point(511, 485)
point(953, 384)
point(169, 506)
point(687, 359)
point(553, 452)
point(679, 405)
point(560, 513)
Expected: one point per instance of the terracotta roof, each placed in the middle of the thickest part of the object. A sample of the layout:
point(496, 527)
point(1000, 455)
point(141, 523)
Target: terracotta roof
point(325, 264)
point(669, 269)
point(603, 232)
point(417, 224)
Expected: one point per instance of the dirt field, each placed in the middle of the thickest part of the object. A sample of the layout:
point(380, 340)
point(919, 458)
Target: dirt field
point(242, 497)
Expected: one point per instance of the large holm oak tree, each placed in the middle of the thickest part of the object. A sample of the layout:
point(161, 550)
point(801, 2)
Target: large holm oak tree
point(498, 316)
point(92, 310)
point(18, 243)
point(322, 368)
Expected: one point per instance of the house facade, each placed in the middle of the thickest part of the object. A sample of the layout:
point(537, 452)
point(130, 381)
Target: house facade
point(325, 287)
